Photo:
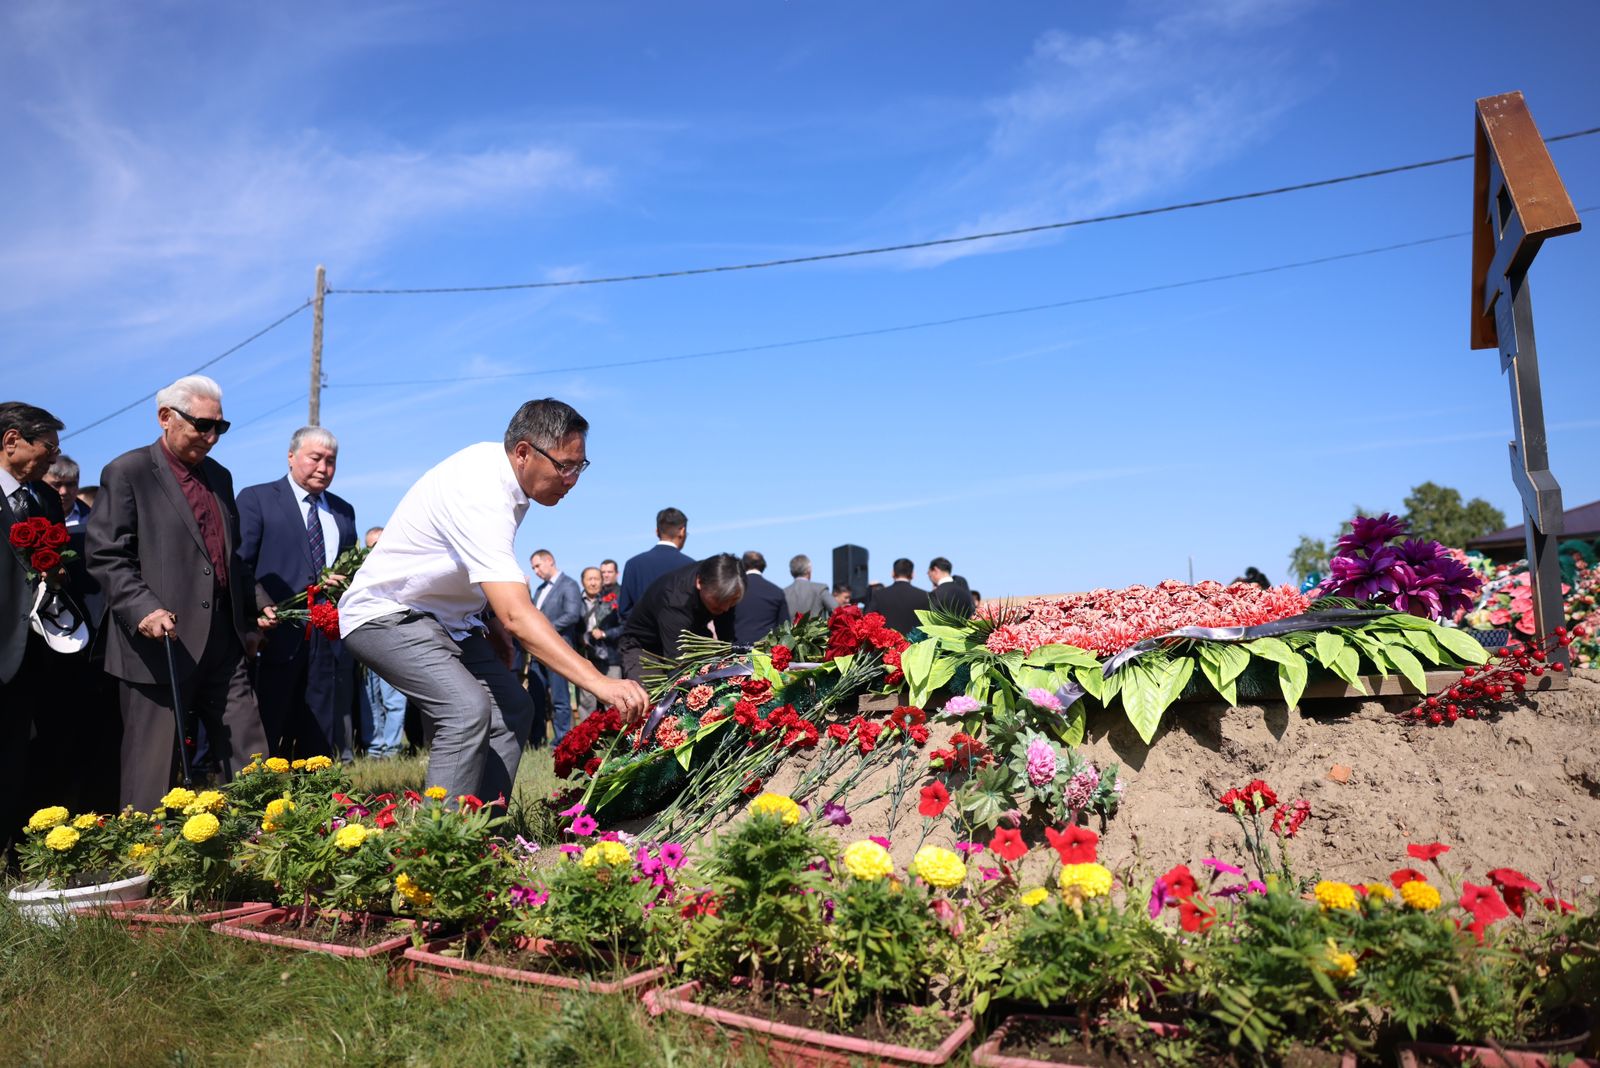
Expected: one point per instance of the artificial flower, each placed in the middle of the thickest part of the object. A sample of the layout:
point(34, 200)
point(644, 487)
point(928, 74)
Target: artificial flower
point(961, 705)
point(779, 805)
point(868, 861)
point(201, 828)
point(1043, 698)
point(62, 838)
point(1335, 895)
point(1419, 895)
point(1040, 762)
point(46, 818)
point(1084, 880)
point(939, 867)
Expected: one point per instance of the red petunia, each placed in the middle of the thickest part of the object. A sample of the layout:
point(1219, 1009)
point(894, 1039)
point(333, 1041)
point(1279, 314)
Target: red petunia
point(781, 657)
point(1554, 903)
point(469, 803)
point(1513, 885)
point(1406, 875)
point(1076, 845)
point(1484, 904)
point(1431, 851)
point(934, 799)
point(753, 786)
point(384, 817)
point(1180, 882)
point(1194, 916)
point(1007, 844)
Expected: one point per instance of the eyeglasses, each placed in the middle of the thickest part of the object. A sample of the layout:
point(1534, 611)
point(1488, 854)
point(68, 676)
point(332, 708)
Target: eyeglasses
point(204, 425)
point(565, 470)
point(52, 447)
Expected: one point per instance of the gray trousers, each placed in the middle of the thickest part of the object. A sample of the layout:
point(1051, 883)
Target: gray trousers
point(475, 717)
point(587, 702)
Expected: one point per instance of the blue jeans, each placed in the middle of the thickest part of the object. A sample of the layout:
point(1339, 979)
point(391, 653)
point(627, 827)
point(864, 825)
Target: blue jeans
point(383, 717)
point(560, 700)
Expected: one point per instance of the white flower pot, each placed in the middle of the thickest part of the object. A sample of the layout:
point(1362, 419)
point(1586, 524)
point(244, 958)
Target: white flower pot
point(45, 905)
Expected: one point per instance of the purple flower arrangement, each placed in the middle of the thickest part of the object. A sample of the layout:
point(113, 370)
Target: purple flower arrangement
point(1423, 578)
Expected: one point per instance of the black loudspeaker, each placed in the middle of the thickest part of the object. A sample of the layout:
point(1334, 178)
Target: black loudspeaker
point(850, 565)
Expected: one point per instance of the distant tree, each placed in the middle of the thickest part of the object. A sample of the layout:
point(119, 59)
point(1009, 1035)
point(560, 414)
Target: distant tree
point(1437, 512)
point(1309, 558)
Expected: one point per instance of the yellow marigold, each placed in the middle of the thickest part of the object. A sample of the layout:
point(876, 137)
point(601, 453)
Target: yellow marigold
point(868, 860)
point(277, 764)
point(177, 797)
point(139, 850)
point(206, 801)
point(130, 813)
point(1332, 895)
point(350, 836)
point(47, 818)
point(1379, 892)
point(62, 839)
point(778, 805)
point(1034, 897)
point(250, 768)
point(939, 867)
point(85, 821)
point(612, 854)
point(201, 828)
point(318, 763)
point(411, 891)
point(278, 806)
point(1341, 965)
point(297, 764)
point(1419, 895)
point(437, 793)
point(1085, 880)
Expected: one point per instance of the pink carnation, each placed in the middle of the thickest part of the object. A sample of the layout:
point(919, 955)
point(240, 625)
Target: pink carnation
point(1041, 762)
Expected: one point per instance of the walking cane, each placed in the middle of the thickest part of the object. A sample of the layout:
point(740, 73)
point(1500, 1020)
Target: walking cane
point(177, 712)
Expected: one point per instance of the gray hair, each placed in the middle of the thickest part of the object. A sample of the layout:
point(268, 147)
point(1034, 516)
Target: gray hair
point(65, 468)
point(721, 577)
point(186, 389)
point(544, 423)
point(316, 435)
point(800, 566)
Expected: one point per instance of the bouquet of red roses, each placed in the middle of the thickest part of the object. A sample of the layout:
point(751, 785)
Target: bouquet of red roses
point(40, 544)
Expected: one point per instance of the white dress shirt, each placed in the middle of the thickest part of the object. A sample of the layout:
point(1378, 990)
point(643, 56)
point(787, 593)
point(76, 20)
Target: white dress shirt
point(453, 530)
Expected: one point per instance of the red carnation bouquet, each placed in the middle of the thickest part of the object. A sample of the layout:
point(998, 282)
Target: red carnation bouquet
point(323, 615)
point(41, 545)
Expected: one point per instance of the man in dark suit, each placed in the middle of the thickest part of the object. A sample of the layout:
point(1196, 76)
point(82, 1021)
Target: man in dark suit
point(289, 531)
point(672, 530)
point(163, 543)
point(29, 669)
point(699, 598)
point(557, 595)
point(762, 609)
point(600, 630)
point(804, 597)
point(949, 595)
point(899, 602)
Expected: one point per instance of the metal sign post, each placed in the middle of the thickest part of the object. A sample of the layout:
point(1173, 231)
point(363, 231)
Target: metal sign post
point(1518, 200)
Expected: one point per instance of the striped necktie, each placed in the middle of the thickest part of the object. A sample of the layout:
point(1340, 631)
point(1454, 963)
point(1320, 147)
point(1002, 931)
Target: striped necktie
point(319, 548)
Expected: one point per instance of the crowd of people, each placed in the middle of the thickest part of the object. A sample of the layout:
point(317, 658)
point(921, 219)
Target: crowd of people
point(145, 642)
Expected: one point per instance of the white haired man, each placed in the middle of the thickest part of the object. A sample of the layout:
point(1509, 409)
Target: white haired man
point(415, 612)
point(163, 542)
point(289, 531)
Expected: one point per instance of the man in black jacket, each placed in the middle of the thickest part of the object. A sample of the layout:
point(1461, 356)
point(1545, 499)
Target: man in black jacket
point(763, 608)
point(950, 595)
point(698, 598)
point(899, 602)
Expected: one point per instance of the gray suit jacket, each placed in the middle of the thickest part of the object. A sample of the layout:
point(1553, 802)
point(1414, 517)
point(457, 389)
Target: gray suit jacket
point(805, 597)
point(563, 607)
point(145, 550)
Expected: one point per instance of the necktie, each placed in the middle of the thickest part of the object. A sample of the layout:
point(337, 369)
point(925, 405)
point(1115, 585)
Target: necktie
point(319, 549)
point(22, 503)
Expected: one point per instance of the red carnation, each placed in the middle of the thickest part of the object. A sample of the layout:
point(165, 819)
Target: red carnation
point(1075, 845)
point(1431, 851)
point(839, 733)
point(1007, 844)
point(45, 559)
point(1180, 882)
point(1406, 875)
point(781, 657)
point(756, 690)
point(934, 799)
point(1287, 818)
point(753, 786)
point(1513, 885)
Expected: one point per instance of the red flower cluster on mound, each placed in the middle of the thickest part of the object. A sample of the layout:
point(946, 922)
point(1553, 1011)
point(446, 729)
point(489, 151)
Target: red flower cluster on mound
point(850, 630)
point(1107, 621)
point(577, 748)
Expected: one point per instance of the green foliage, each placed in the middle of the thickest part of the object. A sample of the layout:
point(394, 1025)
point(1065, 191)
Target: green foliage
point(595, 910)
point(1308, 558)
point(1437, 512)
point(1093, 957)
point(882, 946)
point(446, 854)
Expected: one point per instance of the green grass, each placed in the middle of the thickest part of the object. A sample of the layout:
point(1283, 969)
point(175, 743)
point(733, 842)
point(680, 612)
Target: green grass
point(91, 993)
point(529, 817)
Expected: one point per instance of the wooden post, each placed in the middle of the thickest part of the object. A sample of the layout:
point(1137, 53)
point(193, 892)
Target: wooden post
point(315, 418)
point(1518, 200)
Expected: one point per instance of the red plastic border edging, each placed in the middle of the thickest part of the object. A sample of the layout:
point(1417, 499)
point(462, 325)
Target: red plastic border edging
point(245, 927)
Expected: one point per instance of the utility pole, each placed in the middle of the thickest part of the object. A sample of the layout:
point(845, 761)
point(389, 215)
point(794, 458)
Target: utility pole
point(316, 347)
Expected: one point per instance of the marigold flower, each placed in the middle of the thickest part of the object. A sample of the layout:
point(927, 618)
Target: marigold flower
point(253, 766)
point(276, 808)
point(611, 854)
point(277, 764)
point(297, 765)
point(350, 836)
point(201, 828)
point(85, 821)
point(206, 801)
point(412, 892)
point(1034, 897)
point(1341, 965)
point(779, 805)
point(868, 860)
point(436, 793)
point(1378, 892)
point(939, 867)
point(139, 850)
point(62, 839)
point(318, 763)
point(1419, 895)
point(1335, 895)
point(178, 797)
point(1084, 880)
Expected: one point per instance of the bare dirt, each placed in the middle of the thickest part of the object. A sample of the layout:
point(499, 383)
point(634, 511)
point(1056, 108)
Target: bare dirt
point(1522, 791)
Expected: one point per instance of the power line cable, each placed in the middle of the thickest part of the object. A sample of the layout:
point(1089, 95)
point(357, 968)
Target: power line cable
point(220, 356)
point(272, 411)
point(938, 242)
point(903, 327)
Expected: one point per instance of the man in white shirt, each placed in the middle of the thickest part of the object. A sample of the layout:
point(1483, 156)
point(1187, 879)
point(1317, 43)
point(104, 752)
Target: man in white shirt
point(415, 612)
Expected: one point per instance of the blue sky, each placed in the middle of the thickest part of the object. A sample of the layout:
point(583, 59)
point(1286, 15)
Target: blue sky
point(176, 171)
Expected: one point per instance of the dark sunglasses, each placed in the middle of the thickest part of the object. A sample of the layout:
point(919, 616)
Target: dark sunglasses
point(205, 426)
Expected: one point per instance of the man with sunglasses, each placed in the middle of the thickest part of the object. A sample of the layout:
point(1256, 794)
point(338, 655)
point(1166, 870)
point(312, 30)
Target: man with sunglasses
point(163, 542)
point(433, 608)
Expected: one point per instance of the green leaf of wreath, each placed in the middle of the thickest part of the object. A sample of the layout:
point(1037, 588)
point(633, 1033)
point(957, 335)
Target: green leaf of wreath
point(1409, 666)
point(1462, 646)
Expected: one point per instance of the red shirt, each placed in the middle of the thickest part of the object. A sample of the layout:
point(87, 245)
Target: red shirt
point(206, 513)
